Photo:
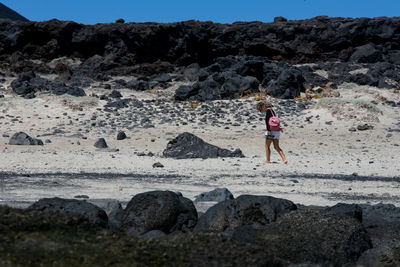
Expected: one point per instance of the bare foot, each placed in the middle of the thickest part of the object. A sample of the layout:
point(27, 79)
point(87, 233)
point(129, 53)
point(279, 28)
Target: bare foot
point(267, 162)
point(285, 162)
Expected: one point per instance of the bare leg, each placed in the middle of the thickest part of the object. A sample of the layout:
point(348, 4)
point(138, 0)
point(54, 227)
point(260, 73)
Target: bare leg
point(279, 150)
point(268, 150)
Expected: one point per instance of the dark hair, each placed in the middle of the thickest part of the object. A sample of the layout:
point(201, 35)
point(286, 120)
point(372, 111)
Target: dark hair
point(263, 104)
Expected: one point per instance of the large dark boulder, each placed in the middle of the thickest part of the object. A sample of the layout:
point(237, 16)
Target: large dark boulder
point(382, 222)
point(114, 211)
point(239, 86)
point(93, 213)
point(289, 84)
point(187, 145)
point(22, 138)
point(138, 85)
point(206, 90)
point(257, 211)
point(385, 253)
point(352, 210)
point(185, 92)
point(366, 54)
point(59, 88)
point(253, 68)
point(310, 236)
point(191, 72)
point(28, 83)
point(362, 79)
point(158, 210)
point(95, 66)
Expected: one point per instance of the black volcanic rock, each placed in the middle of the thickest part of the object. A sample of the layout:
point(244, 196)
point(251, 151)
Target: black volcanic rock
point(7, 13)
point(183, 43)
point(257, 211)
point(366, 54)
point(187, 145)
point(138, 85)
point(310, 236)
point(115, 94)
point(114, 211)
point(121, 135)
point(101, 143)
point(22, 138)
point(218, 194)
point(185, 92)
point(29, 83)
point(221, 59)
point(93, 213)
point(289, 84)
point(352, 210)
point(158, 210)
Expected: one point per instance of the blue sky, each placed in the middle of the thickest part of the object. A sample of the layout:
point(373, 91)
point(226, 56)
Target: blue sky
point(223, 11)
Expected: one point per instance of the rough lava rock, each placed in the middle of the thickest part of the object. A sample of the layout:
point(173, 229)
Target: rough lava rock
point(310, 236)
point(7, 13)
point(257, 211)
point(218, 195)
point(101, 143)
point(93, 213)
point(366, 54)
point(187, 145)
point(28, 83)
point(352, 210)
point(184, 43)
point(222, 60)
point(158, 210)
point(121, 135)
point(22, 138)
point(114, 211)
point(289, 84)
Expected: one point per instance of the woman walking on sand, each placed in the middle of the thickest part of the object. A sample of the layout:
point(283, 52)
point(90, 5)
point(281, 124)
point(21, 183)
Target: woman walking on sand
point(271, 135)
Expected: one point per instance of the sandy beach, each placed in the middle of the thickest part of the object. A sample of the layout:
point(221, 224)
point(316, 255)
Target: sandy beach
point(327, 162)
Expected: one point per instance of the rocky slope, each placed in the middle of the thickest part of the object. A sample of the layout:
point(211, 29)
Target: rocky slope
point(222, 61)
point(7, 13)
point(318, 39)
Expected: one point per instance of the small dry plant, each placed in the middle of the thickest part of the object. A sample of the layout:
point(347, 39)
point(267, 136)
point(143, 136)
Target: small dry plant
point(320, 92)
point(351, 109)
point(193, 105)
point(79, 103)
point(261, 95)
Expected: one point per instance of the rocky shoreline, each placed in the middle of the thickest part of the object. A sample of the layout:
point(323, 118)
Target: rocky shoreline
point(163, 227)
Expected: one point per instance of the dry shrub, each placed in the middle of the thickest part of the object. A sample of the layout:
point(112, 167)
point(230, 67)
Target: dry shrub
point(155, 90)
point(193, 105)
point(318, 93)
point(79, 103)
point(262, 95)
point(381, 98)
point(353, 109)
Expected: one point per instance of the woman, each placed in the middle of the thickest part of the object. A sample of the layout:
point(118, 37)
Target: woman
point(270, 136)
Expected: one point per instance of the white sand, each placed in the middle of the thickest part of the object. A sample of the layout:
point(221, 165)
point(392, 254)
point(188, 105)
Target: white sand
point(318, 155)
